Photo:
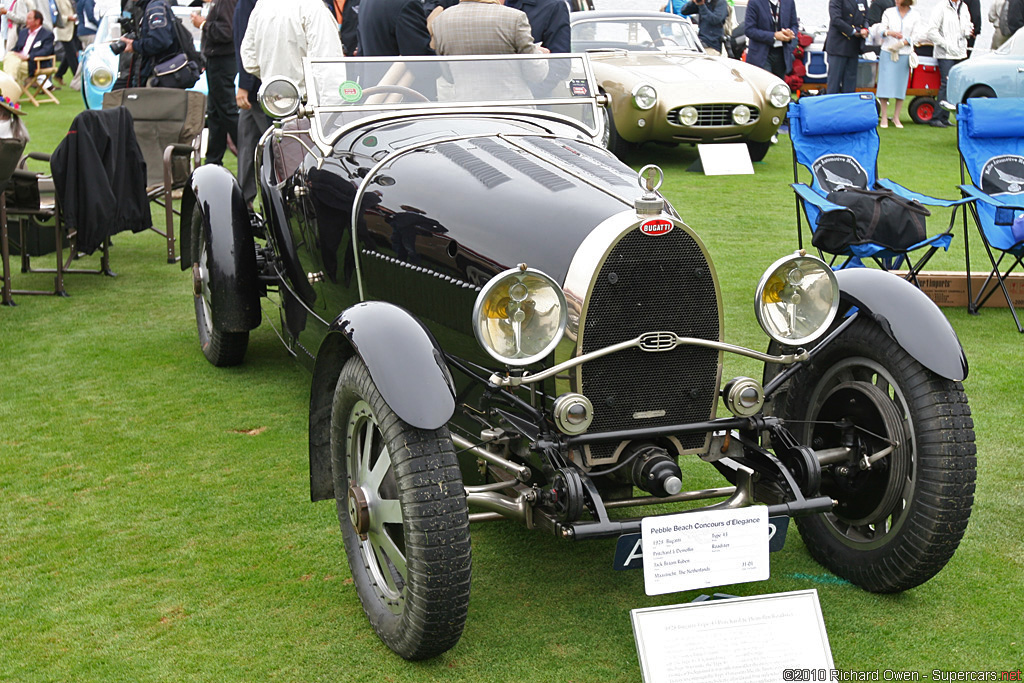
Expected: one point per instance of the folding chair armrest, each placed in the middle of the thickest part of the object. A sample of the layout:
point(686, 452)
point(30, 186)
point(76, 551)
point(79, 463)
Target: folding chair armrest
point(807, 194)
point(179, 149)
point(25, 174)
point(925, 199)
point(38, 156)
point(971, 193)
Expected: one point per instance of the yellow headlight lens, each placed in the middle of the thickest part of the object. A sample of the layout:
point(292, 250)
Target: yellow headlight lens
point(519, 316)
point(797, 299)
point(101, 78)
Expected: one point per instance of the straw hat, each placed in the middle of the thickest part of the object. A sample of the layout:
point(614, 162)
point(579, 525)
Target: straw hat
point(10, 92)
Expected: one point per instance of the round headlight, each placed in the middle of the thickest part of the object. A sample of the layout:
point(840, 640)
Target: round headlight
point(688, 116)
point(797, 299)
point(519, 316)
point(645, 97)
point(740, 114)
point(779, 95)
point(279, 97)
point(101, 77)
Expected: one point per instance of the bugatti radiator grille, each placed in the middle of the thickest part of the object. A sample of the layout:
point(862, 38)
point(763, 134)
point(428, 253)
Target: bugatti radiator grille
point(649, 284)
point(712, 115)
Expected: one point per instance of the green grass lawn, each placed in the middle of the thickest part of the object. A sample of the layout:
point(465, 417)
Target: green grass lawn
point(154, 514)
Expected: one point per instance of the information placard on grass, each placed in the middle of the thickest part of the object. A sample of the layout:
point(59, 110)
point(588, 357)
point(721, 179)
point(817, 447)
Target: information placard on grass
point(741, 640)
point(731, 158)
point(705, 548)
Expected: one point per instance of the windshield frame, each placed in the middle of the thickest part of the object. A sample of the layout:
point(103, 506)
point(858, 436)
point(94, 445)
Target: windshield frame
point(317, 108)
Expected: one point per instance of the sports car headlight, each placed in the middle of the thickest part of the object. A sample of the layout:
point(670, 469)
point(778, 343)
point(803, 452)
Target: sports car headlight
point(645, 97)
point(688, 116)
point(101, 77)
point(740, 114)
point(519, 316)
point(779, 95)
point(797, 299)
point(279, 97)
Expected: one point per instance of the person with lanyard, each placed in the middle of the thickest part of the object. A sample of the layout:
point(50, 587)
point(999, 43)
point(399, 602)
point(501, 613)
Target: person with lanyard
point(771, 27)
point(896, 31)
point(948, 29)
point(847, 29)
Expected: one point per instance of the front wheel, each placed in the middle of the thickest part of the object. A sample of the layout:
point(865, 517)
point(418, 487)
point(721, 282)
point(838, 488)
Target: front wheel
point(404, 519)
point(611, 140)
point(906, 486)
point(758, 150)
point(981, 91)
point(222, 349)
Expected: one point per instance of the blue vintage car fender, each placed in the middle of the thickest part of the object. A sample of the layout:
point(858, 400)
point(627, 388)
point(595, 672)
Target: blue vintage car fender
point(907, 315)
point(234, 282)
point(406, 365)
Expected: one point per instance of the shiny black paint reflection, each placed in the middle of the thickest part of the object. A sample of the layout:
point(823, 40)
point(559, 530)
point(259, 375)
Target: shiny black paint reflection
point(909, 317)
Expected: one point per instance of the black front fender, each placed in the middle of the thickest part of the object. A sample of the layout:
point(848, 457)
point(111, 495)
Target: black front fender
point(406, 365)
point(907, 315)
point(231, 252)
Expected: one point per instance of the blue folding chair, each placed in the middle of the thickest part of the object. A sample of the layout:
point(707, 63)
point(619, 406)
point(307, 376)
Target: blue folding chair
point(835, 139)
point(990, 136)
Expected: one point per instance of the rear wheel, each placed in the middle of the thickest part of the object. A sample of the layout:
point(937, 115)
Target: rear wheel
point(906, 487)
point(404, 519)
point(922, 109)
point(221, 348)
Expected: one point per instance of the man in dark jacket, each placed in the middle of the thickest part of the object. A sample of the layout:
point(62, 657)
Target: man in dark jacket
point(218, 48)
point(771, 29)
point(251, 119)
point(847, 29)
point(155, 42)
point(389, 28)
point(549, 22)
point(876, 10)
point(1015, 15)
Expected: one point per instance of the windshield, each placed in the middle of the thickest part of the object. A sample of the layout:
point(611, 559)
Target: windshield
point(344, 91)
point(635, 34)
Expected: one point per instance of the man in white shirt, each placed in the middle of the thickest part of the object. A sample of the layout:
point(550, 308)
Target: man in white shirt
point(949, 27)
point(281, 33)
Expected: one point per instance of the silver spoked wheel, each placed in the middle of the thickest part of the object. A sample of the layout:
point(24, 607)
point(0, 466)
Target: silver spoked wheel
point(374, 509)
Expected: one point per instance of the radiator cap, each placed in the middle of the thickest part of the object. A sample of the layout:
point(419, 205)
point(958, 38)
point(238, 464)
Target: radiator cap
point(650, 178)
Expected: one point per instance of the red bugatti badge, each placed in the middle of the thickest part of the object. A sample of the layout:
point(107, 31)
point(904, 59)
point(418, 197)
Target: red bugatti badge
point(656, 226)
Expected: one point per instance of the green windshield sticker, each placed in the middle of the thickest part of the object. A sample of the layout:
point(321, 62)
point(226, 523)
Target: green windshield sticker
point(350, 91)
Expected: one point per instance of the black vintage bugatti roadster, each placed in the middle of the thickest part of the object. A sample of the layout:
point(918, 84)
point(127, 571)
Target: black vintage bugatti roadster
point(504, 321)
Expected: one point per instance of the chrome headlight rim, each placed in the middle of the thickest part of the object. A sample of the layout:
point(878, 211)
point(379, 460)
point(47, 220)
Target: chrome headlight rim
point(798, 261)
point(688, 115)
point(101, 77)
point(279, 97)
point(500, 280)
point(779, 95)
point(741, 114)
point(644, 96)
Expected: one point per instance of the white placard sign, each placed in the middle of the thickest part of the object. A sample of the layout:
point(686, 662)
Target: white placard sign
point(705, 548)
point(731, 158)
point(761, 639)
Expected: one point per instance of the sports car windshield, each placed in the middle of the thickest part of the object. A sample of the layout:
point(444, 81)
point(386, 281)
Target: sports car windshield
point(634, 34)
point(343, 91)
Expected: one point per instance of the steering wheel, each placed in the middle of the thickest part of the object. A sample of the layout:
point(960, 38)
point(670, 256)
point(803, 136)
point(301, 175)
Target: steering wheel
point(665, 42)
point(414, 95)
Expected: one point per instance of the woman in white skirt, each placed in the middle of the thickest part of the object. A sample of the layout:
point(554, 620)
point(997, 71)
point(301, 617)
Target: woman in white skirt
point(896, 31)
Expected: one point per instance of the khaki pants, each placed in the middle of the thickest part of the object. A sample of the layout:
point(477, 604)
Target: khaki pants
point(713, 52)
point(16, 67)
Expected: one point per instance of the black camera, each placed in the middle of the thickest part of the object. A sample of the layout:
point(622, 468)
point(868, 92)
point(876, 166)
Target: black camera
point(127, 31)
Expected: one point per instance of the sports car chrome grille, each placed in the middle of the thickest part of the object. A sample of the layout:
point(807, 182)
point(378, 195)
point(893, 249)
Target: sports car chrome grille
point(650, 284)
point(712, 115)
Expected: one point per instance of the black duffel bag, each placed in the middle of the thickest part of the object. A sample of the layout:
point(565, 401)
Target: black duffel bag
point(879, 217)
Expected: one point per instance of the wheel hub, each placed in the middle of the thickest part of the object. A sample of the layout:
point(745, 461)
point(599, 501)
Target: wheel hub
point(358, 510)
point(197, 280)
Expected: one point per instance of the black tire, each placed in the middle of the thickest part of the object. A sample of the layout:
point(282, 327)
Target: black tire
point(758, 150)
point(410, 509)
point(899, 522)
point(922, 109)
point(222, 349)
point(980, 91)
point(611, 139)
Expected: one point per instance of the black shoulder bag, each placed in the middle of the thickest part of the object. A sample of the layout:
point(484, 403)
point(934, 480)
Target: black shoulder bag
point(182, 70)
point(870, 217)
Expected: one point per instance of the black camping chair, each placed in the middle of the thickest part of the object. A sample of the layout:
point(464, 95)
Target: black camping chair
point(168, 126)
point(28, 201)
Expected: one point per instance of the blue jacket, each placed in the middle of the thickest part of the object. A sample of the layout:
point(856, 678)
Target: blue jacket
point(760, 31)
point(712, 13)
point(43, 47)
point(549, 22)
